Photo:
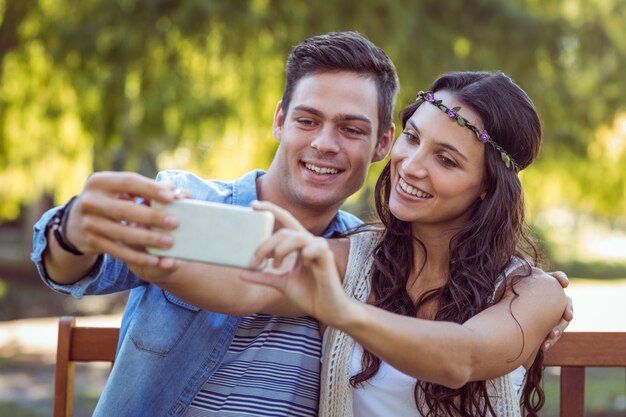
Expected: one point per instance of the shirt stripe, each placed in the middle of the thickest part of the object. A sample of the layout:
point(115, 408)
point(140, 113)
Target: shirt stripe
point(271, 369)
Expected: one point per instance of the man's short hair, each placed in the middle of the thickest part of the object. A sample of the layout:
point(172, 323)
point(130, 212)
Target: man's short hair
point(344, 51)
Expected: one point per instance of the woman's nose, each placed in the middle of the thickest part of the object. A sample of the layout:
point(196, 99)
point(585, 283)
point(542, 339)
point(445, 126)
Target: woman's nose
point(415, 164)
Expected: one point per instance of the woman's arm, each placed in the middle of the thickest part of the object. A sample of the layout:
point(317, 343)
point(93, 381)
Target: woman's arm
point(491, 344)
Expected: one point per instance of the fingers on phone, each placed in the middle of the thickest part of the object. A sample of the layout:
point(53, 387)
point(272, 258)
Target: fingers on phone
point(280, 245)
point(130, 235)
point(123, 252)
point(281, 215)
point(139, 214)
point(130, 183)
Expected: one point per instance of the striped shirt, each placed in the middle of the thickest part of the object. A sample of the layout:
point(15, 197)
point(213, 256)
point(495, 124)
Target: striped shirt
point(271, 369)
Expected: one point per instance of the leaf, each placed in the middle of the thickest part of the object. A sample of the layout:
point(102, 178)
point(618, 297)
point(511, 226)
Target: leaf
point(506, 158)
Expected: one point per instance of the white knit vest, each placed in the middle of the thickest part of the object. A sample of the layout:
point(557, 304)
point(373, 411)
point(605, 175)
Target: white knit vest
point(336, 392)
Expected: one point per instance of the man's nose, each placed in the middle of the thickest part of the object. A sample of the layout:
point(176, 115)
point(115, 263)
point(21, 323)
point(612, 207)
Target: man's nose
point(326, 141)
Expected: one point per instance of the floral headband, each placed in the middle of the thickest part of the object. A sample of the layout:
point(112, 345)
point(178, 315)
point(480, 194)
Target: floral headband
point(481, 135)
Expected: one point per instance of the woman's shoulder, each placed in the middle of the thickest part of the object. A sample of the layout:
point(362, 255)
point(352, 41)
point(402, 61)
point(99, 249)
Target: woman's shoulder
point(538, 284)
point(547, 282)
point(366, 234)
point(521, 275)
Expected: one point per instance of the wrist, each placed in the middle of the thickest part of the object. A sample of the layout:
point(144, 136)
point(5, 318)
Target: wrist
point(352, 316)
point(57, 227)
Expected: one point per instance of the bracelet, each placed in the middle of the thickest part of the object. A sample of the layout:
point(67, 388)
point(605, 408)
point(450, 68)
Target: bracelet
point(58, 223)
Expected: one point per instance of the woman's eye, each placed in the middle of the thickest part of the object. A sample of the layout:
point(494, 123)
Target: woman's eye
point(411, 137)
point(448, 162)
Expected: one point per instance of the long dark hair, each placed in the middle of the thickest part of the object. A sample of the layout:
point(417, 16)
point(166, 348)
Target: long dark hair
point(480, 251)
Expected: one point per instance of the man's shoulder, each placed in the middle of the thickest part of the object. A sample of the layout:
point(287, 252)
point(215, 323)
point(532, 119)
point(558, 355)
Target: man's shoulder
point(345, 221)
point(206, 189)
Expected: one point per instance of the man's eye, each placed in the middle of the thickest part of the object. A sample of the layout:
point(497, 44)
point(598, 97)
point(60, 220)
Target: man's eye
point(306, 122)
point(353, 131)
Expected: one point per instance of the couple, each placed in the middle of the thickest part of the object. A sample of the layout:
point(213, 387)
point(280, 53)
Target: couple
point(191, 343)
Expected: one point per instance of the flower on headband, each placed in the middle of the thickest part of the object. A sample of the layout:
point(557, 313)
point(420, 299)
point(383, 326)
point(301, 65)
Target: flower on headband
point(482, 135)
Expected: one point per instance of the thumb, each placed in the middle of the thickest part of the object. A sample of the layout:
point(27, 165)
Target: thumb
point(267, 279)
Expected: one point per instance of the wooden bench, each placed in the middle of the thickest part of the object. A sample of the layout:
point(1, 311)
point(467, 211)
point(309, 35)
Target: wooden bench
point(78, 344)
point(573, 352)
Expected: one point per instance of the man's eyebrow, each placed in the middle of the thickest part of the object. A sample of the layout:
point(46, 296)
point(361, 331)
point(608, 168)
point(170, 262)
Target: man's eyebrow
point(339, 117)
point(308, 109)
point(442, 144)
point(347, 116)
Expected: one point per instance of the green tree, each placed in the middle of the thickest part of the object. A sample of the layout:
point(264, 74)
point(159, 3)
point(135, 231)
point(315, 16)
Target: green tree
point(142, 85)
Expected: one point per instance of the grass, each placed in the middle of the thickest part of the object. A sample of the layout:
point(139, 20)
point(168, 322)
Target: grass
point(605, 392)
point(16, 410)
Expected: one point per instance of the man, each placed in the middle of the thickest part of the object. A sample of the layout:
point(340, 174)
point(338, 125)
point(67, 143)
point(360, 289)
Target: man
point(335, 117)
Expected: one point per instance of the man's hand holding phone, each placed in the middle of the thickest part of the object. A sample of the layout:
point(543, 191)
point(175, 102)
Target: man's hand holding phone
point(215, 233)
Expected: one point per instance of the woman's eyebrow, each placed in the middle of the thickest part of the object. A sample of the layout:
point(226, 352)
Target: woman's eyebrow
point(442, 144)
point(452, 148)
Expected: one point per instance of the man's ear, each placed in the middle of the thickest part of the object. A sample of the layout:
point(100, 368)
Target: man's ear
point(279, 121)
point(384, 144)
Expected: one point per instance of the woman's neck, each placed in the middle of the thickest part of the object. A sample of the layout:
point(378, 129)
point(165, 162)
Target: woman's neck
point(431, 264)
point(434, 255)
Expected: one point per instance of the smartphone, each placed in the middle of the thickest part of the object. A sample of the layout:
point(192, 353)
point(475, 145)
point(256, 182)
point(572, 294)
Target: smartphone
point(215, 233)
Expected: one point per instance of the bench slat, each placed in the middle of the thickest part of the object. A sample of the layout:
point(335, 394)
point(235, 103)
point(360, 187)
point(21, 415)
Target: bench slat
point(572, 391)
point(94, 344)
point(588, 349)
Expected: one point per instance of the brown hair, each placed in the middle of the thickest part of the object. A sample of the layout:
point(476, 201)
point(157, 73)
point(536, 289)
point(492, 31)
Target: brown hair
point(344, 51)
point(480, 251)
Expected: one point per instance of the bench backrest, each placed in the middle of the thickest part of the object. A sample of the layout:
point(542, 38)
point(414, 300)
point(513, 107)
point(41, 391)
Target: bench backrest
point(78, 344)
point(573, 353)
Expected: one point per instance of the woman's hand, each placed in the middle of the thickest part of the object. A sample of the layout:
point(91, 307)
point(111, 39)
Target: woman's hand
point(312, 282)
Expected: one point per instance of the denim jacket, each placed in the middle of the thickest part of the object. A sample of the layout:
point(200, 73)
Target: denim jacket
point(167, 348)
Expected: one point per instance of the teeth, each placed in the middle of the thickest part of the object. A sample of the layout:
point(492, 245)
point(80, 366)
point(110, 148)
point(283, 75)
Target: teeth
point(329, 171)
point(412, 190)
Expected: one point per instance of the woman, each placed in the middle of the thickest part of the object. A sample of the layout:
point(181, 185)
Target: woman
point(444, 312)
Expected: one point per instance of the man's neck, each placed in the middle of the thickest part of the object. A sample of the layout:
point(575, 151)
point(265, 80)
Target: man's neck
point(314, 218)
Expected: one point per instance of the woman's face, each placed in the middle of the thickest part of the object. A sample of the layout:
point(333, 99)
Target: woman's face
point(437, 167)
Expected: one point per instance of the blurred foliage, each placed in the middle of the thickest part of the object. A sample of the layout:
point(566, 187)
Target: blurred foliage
point(152, 84)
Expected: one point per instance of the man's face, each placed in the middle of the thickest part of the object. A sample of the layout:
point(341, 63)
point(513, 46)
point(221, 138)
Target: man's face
point(328, 139)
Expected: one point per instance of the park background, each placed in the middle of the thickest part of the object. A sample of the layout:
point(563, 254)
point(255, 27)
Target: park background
point(145, 85)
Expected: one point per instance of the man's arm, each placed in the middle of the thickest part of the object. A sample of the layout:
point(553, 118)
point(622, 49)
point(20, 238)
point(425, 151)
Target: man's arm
point(568, 314)
point(215, 288)
point(99, 222)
